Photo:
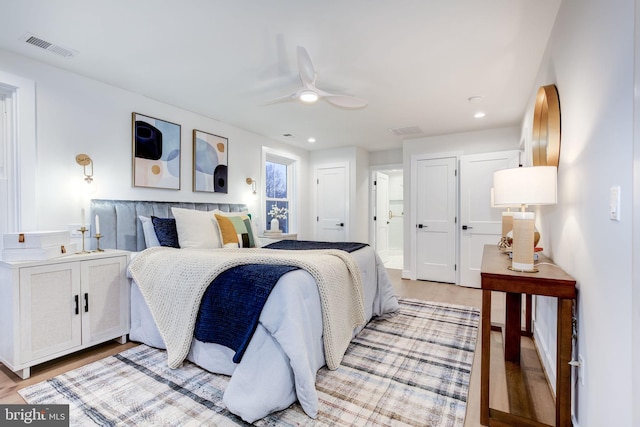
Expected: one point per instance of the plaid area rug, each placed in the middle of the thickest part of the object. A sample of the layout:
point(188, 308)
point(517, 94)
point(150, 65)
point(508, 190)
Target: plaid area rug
point(412, 369)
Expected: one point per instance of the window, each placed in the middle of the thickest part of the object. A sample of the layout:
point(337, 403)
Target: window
point(279, 191)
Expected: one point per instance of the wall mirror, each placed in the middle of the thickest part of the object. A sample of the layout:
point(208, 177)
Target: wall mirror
point(546, 127)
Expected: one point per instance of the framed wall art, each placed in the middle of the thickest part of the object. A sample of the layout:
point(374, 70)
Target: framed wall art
point(210, 162)
point(156, 153)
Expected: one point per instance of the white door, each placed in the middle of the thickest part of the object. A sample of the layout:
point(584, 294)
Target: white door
point(332, 203)
point(436, 220)
point(382, 215)
point(480, 223)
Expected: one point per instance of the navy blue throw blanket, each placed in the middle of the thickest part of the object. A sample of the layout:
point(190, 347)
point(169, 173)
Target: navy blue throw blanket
point(310, 244)
point(232, 304)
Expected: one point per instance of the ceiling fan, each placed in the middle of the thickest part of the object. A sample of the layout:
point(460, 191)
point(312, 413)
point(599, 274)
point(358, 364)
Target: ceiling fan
point(309, 92)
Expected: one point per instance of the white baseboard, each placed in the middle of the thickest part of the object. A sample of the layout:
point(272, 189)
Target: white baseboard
point(548, 360)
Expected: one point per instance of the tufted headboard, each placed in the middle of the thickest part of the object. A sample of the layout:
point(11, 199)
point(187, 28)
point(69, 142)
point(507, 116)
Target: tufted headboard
point(121, 228)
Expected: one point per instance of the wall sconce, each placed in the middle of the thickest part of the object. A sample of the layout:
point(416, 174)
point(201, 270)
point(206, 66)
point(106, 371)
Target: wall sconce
point(252, 183)
point(84, 161)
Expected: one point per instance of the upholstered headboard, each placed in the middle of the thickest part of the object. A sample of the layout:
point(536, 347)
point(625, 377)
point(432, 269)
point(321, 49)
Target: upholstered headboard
point(121, 228)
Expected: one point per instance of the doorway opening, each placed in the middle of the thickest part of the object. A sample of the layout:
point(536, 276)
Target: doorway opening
point(389, 217)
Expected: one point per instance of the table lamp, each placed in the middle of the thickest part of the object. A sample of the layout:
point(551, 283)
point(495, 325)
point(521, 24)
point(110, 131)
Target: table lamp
point(525, 186)
point(507, 222)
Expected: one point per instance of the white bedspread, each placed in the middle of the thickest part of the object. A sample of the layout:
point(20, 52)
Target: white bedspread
point(281, 361)
point(158, 270)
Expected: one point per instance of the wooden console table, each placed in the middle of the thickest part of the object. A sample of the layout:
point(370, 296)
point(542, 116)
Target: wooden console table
point(549, 281)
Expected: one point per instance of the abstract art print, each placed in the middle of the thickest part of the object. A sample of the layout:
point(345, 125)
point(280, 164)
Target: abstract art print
point(210, 162)
point(156, 153)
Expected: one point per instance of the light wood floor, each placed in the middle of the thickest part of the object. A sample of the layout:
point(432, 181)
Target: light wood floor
point(534, 379)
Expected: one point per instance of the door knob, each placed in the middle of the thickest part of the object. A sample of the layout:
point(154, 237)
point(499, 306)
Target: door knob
point(466, 227)
point(341, 224)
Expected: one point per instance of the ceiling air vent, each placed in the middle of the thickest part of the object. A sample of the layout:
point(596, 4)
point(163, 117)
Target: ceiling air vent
point(53, 48)
point(406, 131)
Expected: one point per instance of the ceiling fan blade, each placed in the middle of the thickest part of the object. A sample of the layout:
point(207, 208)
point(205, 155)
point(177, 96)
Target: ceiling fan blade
point(345, 101)
point(286, 98)
point(305, 68)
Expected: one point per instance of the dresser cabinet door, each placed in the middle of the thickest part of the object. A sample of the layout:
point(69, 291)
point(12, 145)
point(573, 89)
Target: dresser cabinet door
point(105, 299)
point(49, 313)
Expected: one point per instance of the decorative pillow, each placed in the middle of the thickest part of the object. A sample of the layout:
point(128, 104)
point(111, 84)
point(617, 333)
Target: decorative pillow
point(166, 231)
point(254, 231)
point(150, 238)
point(235, 231)
point(196, 229)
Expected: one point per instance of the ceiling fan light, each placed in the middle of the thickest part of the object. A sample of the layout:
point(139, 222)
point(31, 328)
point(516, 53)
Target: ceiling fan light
point(308, 96)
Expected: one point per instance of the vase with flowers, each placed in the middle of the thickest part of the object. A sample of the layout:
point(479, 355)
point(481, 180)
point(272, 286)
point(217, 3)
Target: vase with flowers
point(276, 214)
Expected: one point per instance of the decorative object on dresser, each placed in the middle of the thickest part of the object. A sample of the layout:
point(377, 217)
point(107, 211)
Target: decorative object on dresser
point(276, 214)
point(36, 245)
point(507, 223)
point(525, 186)
point(210, 162)
point(55, 307)
point(156, 153)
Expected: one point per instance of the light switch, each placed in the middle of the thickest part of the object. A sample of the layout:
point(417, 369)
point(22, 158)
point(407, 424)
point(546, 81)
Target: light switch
point(614, 204)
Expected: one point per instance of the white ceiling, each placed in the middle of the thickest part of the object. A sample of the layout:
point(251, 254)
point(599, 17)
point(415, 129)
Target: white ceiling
point(417, 62)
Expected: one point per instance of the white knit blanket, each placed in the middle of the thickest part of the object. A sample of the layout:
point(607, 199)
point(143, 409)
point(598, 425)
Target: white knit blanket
point(173, 281)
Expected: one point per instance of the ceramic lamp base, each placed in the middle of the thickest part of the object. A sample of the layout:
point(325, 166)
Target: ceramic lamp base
point(507, 223)
point(523, 242)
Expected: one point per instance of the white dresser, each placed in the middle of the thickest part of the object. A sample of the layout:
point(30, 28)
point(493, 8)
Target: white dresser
point(55, 307)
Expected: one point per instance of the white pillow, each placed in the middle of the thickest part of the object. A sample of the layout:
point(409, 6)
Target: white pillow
point(196, 229)
point(254, 230)
point(150, 238)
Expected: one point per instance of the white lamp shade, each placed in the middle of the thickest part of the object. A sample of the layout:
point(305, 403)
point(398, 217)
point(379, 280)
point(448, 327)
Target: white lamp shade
point(536, 185)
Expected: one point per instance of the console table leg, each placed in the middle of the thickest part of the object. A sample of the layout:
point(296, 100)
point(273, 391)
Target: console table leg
point(486, 357)
point(563, 369)
point(513, 328)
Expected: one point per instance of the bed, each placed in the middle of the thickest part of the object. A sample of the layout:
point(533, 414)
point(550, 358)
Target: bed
point(279, 364)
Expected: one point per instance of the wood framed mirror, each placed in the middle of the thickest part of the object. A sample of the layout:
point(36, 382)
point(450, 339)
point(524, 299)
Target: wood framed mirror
point(546, 127)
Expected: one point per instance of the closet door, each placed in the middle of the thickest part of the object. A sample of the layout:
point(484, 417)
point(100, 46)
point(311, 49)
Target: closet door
point(480, 223)
point(436, 219)
point(332, 203)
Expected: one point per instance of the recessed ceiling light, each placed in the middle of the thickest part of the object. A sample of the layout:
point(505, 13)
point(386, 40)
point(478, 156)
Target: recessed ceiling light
point(475, 99)
point(479, 115)
point(311, 140)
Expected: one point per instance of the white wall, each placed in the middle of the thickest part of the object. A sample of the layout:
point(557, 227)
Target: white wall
point(79, 115)
point(396, 205)
point(386, 157)
point(590, 57)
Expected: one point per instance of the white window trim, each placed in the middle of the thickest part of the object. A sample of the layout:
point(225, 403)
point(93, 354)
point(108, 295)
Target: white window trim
point(21, 151)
